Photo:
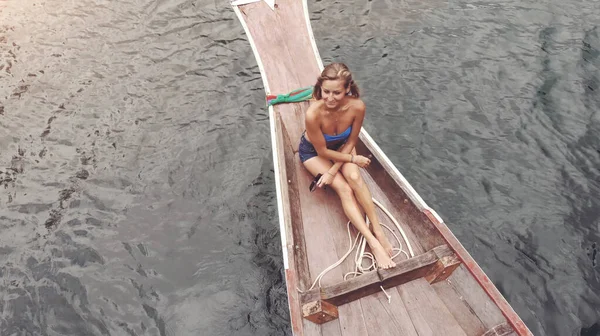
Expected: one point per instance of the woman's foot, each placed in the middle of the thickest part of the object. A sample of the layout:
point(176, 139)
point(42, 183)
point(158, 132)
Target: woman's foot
point(380, 235)
point(383, 259)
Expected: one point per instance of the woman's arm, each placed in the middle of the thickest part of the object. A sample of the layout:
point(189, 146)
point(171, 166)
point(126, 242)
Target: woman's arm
point(336, 166)
point(359, 117)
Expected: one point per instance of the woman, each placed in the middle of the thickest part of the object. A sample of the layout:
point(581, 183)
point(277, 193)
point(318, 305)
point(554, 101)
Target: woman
point(333, 123)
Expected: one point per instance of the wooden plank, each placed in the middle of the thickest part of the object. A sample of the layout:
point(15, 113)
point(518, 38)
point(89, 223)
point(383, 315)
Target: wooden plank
point(293, 278)
point(424, 265)
point(312, 329)
point(503, 329)
point(270, 42)
point(292, 116)
point(296, 319)
point(296, 272)
point(351, 318)
point(293, 217)
point(317, 227)
point(317, 222)
point(331, 328)
point(459, 308)
point(352, 322)
point(409, 270)
point(291, 14)
point(283, 50)
point(481, 304)
point(352, 289)
point(384, 318)
point(445, 266)
point(428, 313)
point(320, 253)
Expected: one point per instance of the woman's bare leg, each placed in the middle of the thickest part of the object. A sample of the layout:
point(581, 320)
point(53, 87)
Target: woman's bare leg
point(352, 209)
point(363, 196)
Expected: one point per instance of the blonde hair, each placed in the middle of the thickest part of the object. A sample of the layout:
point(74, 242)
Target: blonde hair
point(336, 71)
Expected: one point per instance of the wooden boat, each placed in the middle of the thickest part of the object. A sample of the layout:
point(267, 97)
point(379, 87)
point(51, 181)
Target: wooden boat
point(438, 290)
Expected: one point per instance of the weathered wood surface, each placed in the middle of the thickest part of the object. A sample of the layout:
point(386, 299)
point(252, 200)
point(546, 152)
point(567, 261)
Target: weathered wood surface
point(459, 308)
point(331, 328)
point(295, 237)
point(433, 266)
point(312, 329)
point(468, 288)
point(384, 317)
point(429, 315)
point(503, 329)
point(282, 38)
point(426, 265)
point(298, 275)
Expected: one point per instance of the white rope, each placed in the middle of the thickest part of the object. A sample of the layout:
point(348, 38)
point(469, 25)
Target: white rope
point(412, 254)
point(360, 254)
point(386, 294)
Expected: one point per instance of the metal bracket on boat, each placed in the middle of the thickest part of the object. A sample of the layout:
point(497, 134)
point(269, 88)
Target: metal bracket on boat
point(435, 265)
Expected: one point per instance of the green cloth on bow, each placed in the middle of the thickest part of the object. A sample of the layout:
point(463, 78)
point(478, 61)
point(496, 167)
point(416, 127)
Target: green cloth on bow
point(295, 96)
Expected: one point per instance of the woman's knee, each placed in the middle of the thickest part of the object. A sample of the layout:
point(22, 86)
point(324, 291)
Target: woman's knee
point(343, 189)
point(354, 179)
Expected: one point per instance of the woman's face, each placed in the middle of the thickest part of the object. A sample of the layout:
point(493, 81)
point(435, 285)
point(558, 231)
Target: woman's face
point(333, 92)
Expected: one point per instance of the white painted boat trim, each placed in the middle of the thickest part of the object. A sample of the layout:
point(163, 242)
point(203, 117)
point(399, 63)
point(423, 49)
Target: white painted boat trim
point(243, 2)
point(282, 231)
point(271, 3)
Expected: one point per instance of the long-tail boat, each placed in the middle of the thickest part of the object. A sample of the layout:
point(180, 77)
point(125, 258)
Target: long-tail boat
point(437, 288)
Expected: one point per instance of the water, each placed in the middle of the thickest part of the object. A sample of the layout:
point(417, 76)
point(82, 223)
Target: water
point(138, 192)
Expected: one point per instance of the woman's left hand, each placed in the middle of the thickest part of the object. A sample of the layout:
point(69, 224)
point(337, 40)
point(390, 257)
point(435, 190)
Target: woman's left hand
point(325, 180)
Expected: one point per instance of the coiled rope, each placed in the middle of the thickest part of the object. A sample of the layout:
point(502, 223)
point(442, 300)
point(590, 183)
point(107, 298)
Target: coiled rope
point(361, 254)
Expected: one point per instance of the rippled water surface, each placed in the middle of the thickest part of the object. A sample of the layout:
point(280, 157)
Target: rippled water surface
point(137, 185)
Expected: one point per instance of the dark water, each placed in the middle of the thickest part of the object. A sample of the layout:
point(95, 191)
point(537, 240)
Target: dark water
point(137, 186)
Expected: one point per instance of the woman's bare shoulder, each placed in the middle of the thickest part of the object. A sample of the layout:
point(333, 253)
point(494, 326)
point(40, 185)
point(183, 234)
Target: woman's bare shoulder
point(357, 104)
point(312, 113)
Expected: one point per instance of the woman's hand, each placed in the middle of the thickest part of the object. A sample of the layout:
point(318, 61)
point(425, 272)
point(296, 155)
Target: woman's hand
point(325, 180)
point(361, 161)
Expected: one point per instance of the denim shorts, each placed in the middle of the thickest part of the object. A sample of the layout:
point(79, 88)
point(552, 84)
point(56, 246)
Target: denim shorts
point(306, 150)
